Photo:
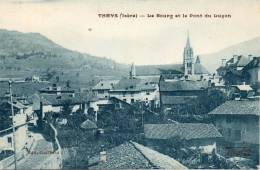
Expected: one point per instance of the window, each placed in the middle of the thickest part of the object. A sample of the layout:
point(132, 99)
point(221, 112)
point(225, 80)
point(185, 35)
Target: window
point(132, 100)
point(101, 92)
point(9, 140)
point(147, 93)
point(237, 135)
point(124, 100)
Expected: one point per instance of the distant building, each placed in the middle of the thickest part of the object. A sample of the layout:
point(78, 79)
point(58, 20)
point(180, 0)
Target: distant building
point(200, 135)
point(240, 69)
point(131, 155)
point(136, 90)
point(238, 122)
point(129, 89)
point(57, 90)
point(253, 70)
point(180, 93)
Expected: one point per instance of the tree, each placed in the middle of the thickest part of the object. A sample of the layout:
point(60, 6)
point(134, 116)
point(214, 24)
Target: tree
point(66, 109)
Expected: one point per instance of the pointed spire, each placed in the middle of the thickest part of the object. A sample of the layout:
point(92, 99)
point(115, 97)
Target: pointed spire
point(188, 39)
point(132, 71)
point(198, 59)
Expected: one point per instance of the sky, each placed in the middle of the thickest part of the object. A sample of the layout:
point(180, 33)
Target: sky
point(75, 24)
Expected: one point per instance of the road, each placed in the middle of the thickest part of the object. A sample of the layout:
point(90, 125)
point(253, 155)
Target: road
point(40, 152)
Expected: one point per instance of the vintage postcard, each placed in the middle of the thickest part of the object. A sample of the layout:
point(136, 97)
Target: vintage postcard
point(129, 84)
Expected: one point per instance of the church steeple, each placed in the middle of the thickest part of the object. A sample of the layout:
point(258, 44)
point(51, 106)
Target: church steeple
point(132, 71)
point(188, 63)
point(188, 40)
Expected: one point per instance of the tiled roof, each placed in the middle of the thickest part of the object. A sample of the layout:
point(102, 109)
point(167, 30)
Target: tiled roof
point(159, 160)
point(176, 99)
point(105, 84)
point(234, 107)
point(183, 130)
point(135, 84)
point(131, 155)
point(88, 125)
point(183, 85)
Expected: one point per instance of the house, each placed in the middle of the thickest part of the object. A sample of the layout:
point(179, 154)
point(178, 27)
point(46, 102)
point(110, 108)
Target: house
point(101, 90)
point(55, 103)
point(131, 155)
point(241, 91)
point(89, 128)
point(233, 70)
point(180, 93)
point(136, 90)
point(253, 70)
point(200, 135)
point(238, 122)
point(20, 123)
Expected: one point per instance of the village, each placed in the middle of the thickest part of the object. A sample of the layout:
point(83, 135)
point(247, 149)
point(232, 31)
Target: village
point(182, 118)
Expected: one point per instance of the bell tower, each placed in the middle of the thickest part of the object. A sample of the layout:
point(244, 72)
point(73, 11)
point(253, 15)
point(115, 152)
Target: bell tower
point(188, 62)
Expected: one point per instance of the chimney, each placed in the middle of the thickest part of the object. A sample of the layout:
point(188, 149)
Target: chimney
point(223, 62)
point(103, 156)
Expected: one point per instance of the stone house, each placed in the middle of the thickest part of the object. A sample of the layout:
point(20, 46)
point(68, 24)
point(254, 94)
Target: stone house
point(238, 122)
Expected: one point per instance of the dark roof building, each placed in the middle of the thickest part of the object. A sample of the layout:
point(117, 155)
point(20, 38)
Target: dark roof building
point(238, 122)
point(233, 107)
point(131, 155)
point(187, 131)
point(180, 92)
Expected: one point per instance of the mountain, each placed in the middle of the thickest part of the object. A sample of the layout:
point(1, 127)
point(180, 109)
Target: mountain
point(213, 61)
point(27, 54)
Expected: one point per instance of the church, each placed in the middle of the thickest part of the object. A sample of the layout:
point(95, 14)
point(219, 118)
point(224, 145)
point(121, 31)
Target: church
point(190, 69)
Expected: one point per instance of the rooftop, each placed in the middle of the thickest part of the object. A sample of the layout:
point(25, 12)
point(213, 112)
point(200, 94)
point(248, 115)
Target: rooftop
point(131, 155)
point(135, 84)
point(88, 125)
point(105, 85)
point(237, 107)
point(183, 85)
point(185, 131)
point(243, 87)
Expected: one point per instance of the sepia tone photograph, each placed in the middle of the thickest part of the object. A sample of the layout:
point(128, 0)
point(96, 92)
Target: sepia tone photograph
point(133, 84)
